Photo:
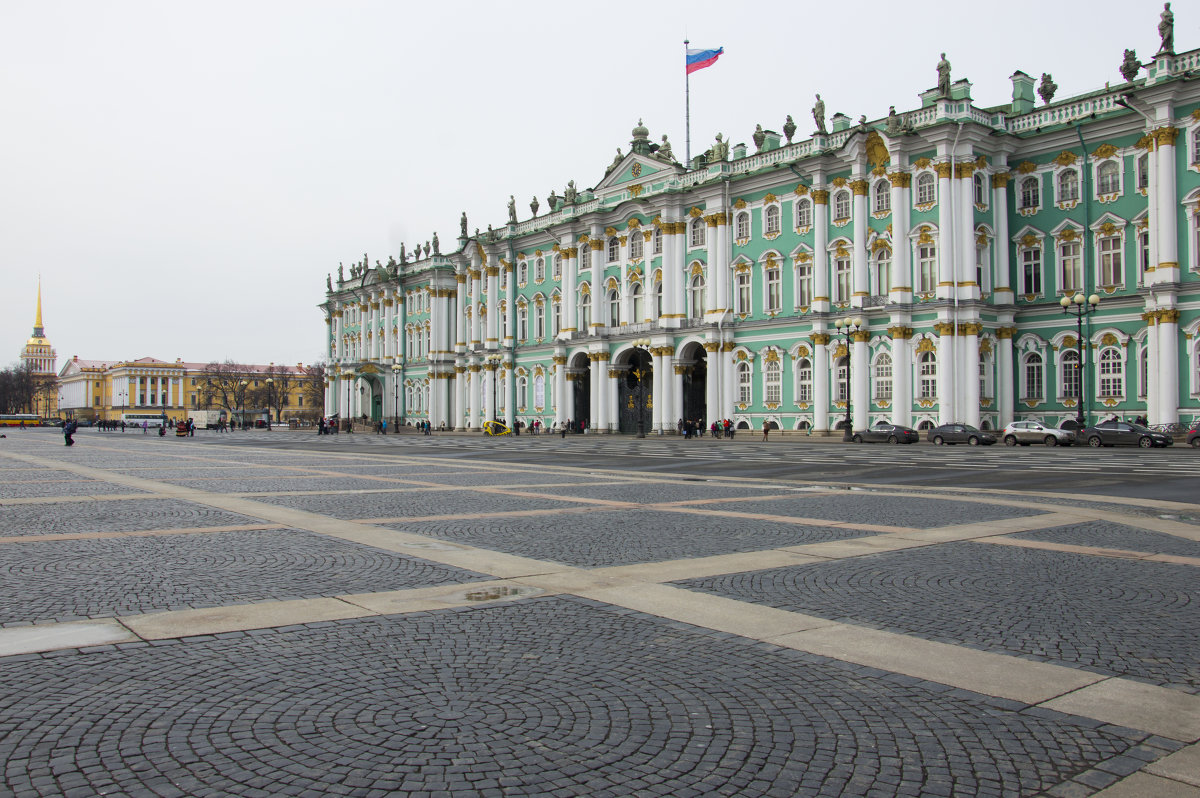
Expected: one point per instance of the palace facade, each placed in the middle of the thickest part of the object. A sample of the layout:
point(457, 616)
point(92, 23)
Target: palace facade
point(942, 238)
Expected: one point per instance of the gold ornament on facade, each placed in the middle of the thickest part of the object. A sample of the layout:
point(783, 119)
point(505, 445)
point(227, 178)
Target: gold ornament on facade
point(860, 336)
point(739, 203)
point(985, 346)
point(769, 199)
point(710, 220)
point(820, 196)
point(1165, 136)
point(695, 213)
point(876, 150)
point(610, 231)
point(1000, 179)
point(633, 223)
point(964, 171)
point(943, 328)
point(1105, 151)
point(820, 339)
point(1006, 333)
point(900, 179)
point(923, 236)
point(839, 182)
point(800, 190)
point(803, 257)
point(981, 240)
point(1068, 235)
point(1168, 316)
point(841, 251)
point(596, 245)
point(802, 351)
point(1026, 167)
point(840, 351)
point(900, 332)
point(1146, 142)
point(879, 171)
point(1066, 158)
point(970, 328)
point(922, 163)
point(1029, 241)
point(859, 188)
point(728, 346)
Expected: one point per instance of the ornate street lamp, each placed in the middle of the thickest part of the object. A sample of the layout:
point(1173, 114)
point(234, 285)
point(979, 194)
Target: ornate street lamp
point(270, 402)
point(395, 396)
point(493, 364)
point(1079, 307)
point(847, 328)
point(639, 387)
point(242, 404)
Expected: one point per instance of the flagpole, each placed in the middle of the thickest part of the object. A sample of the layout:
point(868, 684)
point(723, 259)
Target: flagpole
point(687, 109)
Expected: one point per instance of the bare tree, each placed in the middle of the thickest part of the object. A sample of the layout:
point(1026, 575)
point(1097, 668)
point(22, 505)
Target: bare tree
point(312, 386)
point(20, 389)
point(224, 384)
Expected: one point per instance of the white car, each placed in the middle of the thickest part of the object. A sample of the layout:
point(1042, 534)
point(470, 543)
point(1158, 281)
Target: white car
point(1027, 432)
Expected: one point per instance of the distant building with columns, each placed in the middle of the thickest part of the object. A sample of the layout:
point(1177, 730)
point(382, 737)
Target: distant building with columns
point(713, 289)
point(40, 358)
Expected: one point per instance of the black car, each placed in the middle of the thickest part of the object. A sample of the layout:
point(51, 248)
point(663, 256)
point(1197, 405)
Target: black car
point(1124, 433)
point(890, 433)
point(960, 433)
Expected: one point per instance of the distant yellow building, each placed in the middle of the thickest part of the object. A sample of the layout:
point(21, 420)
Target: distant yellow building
point(39, 356)
point(149, 389)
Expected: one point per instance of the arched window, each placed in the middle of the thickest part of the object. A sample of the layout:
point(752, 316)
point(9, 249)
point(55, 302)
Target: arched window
point(803, 380)
point(1112, 373)
point(1108, 178)
point(697, 232)
point(658, 241)
point(637, 303)
point(635, 245)
point(1031, 194)
point(743, 381)
point(658, 298)
point(926, 189)
point(558, 267)
point(584, 311)
point(1068, 185)
point(803, 213)
point(841, 206)
point(696, 296)
point(1032, 389)
point(522, 391)
point(614, 249)
point(539, 270)
point(883, 196)
point(771, 219)
point(881, 272)
point(773, 277)
point(1070, 374)
point(743, 226)
point(773, 382)
point(927, 367)
point(883, 376)
point(980, 192)
point(614, 308)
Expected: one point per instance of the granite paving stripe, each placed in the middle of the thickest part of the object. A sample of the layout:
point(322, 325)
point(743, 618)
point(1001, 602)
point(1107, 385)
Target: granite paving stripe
point(1124, 554)
point(655, 492)
point(1183, 765)
point(1107, 535)
point(895, 511)
point(546, 696)
point(414, 503)
point(203, 530)
point(1145, 706)
point(67, 580)
point(1145, 785)
point(116, 516)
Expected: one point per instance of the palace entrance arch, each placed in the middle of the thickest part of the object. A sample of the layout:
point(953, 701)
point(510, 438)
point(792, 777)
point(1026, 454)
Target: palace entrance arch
point(635, 392)
point(579, 371)
point(693, 361)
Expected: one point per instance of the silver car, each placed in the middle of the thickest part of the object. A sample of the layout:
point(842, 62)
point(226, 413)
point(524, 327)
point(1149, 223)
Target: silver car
point(1027, 432)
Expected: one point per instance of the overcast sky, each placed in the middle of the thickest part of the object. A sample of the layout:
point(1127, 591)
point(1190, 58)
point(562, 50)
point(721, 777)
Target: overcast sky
point(184, 175)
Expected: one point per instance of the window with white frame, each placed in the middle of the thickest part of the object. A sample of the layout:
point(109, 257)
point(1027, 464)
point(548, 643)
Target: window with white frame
point(742, 292)
point(771, 223)
point(585, 256)
point(657, 240)
point(742, 226)
point(1143, 171)
point(803, 380)
point(614, 249)
point(637, 304)
point(555, 315)
point(841, 376)
point(696, 297)
point(982, 267)
point(539, 321)
point(503, 280)
point(804, 284)
point(1144, 372)
point(926, 189)
point(803, 213)
point(883, 377)
point(881, 272)
point(882, 196)
point(584, 311)
point(1143, 256)
point(1112, 373)
point(1031, 270)
point(774, 289)
point(841, 206)
point(1070, 266)
point(926, 268)
point(927, 371)
point(522, 391)
point(697, 233)
point(636, 245)
point(539, 390)
point(773, 382)
point(1033, 374)
point(522, 272)
point(1111, 273)
point(558, 267)
point(1069, 378)
point(539, 270)
point(841, 279)
point(1068, 185)
point(1195, 145)
point(743, 382)
point(980, 187)
point(522, 323)
point(1031, 193)
point(1108, 178)
point(614, 308)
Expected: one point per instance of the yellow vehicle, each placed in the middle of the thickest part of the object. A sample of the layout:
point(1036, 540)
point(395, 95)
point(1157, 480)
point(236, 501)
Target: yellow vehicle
point(495, 428)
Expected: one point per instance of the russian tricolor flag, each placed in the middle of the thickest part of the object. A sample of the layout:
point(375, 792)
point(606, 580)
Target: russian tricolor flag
point(699, 59)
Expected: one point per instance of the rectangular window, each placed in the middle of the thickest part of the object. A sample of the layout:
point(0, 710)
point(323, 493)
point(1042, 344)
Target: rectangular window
point(1070, 267)
point(743, 293)
point(1110, 261)
point(774, 289)
point(804, 285)
point(926, 269)
point(1031, 271)
point(1033, 378)
point(841, 285)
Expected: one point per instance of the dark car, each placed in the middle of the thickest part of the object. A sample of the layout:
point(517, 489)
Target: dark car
point(1193, 438)
point(960, 433)
point(890, 433)
point(1124, 433)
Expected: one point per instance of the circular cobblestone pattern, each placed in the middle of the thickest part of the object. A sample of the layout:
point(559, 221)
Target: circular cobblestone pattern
point(553, 697)
point(114, 516)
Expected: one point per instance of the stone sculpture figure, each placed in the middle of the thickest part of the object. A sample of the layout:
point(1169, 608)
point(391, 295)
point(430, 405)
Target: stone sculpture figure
point(426, 249)
point(534, 205)
point(462, 225)
point(512, 209)
point(819, 116)
point(943, 70)
point(1166, 29)
point(616, 161)
point(437, 248)
point(759, 137)
point(1047, 88)
point(328, 282)
point(719, 151)
point(569, 193)
point(552, 200)
point(341, 274)
point(664, 150)
point(393, 268)
point(417, 251)
point(1130, 66)
point(862, 123)
point(893, 121)
point(789, 129)
point(403, 255)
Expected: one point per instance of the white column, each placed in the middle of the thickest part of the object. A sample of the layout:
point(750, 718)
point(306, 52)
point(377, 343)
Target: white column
point(596, 378)
point(560, 389)
point(717, 268)
point(946, 252)
point(493, 307)
point(1001, 273)
point(860, 380)
point(964, 235)
point(664, 383)
point(475, 389)
point(902, 394)
point(1166, 226)
point(567, 400)
point(861, 278)
point(1168, 366)
point(476, 307)
point(712, 388)
point(508, 326)
point(902, 277)
point(490, 393)
point(675, 379)
point(1006, 388)
point(945, 372)
point(821, 291)
point(570, 289)
point(460, 393)
point(728, 385)
point(460, 312)
point(968, 380)
point(596, 245)
point(821, 395)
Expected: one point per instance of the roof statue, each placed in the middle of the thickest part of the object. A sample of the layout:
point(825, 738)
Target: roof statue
point(719, 151)
point(552, 200)
point(664, 150)
point(426, 250)
point(1047, 88)
point(1166, 29)
point(789, 129)
point(533, 205)
point(328, 282)
point(616, 161)
point(403, 255)
point(759, 137)
point(862, 123)
point(1130, 66)
point(417, 251)
point(392, 270)
point(437, 248)
point(893, 122)
point(569, 193)
point(512, 209)
point(462, 225)
point(341, 274)
point(943, 70)
point(819, 116)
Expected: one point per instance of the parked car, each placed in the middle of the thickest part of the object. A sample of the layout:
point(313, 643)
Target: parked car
point(960, 433)
point(891, 433)
point(1193, 438)
point(1027, 432)
point(1124, 433)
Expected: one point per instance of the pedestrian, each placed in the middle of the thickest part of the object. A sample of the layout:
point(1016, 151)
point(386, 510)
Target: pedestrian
point(766, 430)
point(562, 432)
point(69, 431)
point(144, 427)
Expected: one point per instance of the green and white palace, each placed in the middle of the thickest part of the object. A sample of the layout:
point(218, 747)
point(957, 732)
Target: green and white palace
point(943, 238)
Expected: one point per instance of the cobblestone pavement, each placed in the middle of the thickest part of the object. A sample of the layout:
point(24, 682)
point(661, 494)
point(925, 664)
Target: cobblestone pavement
point(211, 618)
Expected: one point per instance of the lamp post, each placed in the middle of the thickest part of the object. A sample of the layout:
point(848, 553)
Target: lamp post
point(270, 402)
point(242, 404)
point(395, 396)
point(493, 365)
point(1079, 307)
point(639, 374)
point(848, 327)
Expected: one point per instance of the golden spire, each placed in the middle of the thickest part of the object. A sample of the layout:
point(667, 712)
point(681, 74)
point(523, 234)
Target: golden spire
point(37, 323)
